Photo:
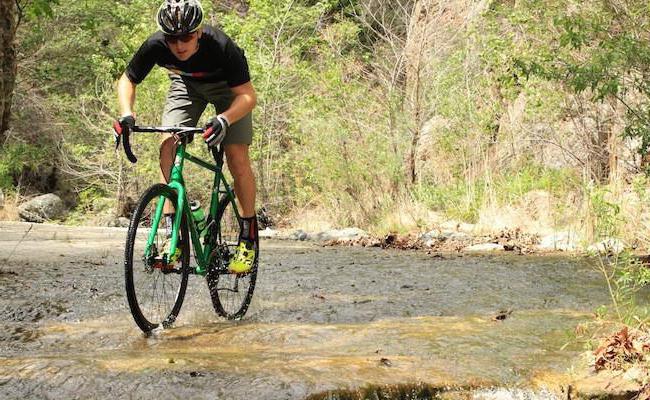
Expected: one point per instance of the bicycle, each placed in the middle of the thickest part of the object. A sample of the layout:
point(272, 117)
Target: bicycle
point(155, 278)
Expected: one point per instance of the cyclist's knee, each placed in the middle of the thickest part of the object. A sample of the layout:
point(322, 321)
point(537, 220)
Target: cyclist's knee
point(238, 160)
point(167, 147)
point(167, 141)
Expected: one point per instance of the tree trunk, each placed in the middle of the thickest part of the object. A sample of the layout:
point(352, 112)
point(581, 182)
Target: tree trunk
point(8, 25)
point(418, 42)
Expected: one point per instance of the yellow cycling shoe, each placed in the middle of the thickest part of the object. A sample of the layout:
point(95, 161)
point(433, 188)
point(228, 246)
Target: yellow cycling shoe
point(243, 259)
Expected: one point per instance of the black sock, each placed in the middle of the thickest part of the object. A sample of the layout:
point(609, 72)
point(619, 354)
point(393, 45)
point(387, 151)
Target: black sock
point(248, 229)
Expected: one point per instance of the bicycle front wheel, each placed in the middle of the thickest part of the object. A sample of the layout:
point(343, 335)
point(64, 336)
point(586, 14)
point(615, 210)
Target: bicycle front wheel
point(155, 289)
point(231, 293)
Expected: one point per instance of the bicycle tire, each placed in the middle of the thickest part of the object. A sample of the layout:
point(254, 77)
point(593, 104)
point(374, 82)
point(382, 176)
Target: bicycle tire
point(231, 294)
point(141, 276)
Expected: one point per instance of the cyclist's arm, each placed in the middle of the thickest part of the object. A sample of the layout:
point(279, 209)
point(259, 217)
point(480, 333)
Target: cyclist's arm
point(244, 102)
point(126, 95)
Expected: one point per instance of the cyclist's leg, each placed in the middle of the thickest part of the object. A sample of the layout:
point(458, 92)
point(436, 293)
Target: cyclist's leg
point(240, 168)
point(244, 182)
point(236, 143)
point(183, 107)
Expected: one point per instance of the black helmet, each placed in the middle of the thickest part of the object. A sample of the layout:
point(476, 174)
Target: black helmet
point(179, 17)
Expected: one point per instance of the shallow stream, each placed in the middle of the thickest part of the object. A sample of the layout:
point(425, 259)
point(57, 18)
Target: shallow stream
point(322, 318)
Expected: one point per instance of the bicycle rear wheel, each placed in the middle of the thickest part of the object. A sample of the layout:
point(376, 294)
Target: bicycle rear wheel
point(231, 293)
point(155, 290)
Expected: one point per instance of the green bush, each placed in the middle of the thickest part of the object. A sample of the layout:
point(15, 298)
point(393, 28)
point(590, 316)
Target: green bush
point(16, 157)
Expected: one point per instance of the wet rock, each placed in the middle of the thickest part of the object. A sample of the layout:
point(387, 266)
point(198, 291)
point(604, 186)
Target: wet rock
point(430, 238)
point(432, 234)
point(430, 242)
point(563, 241)
point(636, 373)
point(605, 385)
point(120, 222)
point(297, 234)
point(501, 315)
point(340, 234)
point(607, 246)
point(484, 247)
point(268, 233)
point(459, 236)
point(385, 362)
point(42, 208)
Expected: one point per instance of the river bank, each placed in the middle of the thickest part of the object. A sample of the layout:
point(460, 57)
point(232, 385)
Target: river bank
point(455, 238)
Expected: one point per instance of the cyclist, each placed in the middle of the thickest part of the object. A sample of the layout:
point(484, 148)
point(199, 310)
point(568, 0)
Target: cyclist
point(205, 66)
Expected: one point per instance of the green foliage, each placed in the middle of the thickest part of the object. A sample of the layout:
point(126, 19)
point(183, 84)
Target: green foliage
point(14, 158)
point(329, 132)
point(628, 279)
point(605, 213)
point(597, 48)
point(66, 77)
point(463, 201)
point(37, 8)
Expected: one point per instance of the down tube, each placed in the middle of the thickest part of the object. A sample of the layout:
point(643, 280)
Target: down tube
point(154, 225)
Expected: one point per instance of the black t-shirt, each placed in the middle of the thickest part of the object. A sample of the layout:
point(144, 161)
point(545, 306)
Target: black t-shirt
point(217, 59)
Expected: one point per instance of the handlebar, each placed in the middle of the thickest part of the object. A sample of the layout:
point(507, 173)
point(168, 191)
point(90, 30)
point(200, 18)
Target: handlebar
point(180, 131)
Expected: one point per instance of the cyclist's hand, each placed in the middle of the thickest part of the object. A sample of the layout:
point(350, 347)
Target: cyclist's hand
point(215, 130)
point(125, 123)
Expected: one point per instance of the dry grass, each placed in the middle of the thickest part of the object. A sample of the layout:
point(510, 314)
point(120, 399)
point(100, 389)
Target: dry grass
point(9, 210)
point(309, 219)
point(407, 216)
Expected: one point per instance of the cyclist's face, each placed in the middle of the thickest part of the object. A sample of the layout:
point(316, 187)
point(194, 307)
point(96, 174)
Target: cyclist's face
point(183, 47)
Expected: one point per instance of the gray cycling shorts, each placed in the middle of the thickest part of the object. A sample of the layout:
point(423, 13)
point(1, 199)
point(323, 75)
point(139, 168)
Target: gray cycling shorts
point(187, 99)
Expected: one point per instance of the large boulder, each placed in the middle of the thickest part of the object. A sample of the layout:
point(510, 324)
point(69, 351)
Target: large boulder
point(42, 208)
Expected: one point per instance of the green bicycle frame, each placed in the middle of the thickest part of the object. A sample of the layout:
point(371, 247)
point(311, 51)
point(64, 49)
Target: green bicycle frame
point(201, 251)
